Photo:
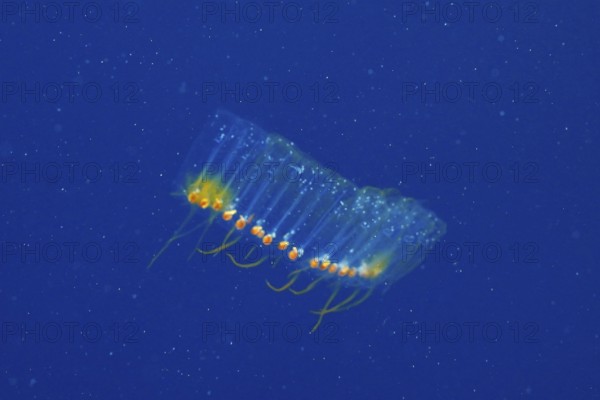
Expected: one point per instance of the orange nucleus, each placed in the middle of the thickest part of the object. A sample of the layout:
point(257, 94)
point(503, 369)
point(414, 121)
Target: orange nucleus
point(227, 215)
point(240, 224)
point(217, 205)
point(193, 197)
point(293, 254)
point(204, 202)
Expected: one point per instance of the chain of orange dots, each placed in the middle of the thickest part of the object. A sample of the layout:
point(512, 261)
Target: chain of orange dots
point(267, 239)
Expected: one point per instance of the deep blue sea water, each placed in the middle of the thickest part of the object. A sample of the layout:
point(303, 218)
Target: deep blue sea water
point(486, 112)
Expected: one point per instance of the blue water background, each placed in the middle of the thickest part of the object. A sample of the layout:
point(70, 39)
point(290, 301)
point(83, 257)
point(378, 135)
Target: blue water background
point(533, 308)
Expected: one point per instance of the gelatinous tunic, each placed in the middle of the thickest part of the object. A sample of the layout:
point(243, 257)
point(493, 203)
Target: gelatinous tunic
point(261, 185)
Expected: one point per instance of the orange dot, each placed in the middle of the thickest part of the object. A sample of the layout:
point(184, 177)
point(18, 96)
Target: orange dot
point(314, 263)
point(204, 202)
point(240, 224)
point(352, 273)
point(293, 254)
point(267, 240)
point(283, 245)
point(256, 230)
point(344, 271)
point(227, 215)
point(325, 264)
point(193, 197)
point(217, 205)
point(332, 268)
